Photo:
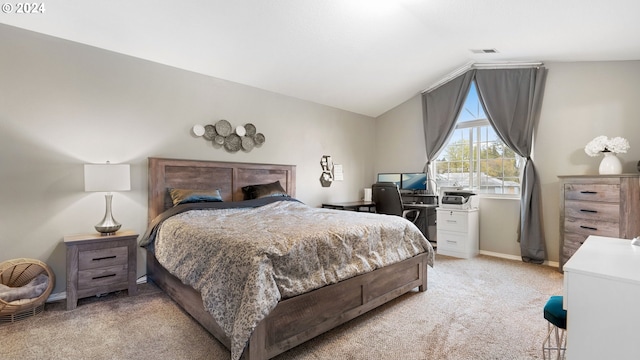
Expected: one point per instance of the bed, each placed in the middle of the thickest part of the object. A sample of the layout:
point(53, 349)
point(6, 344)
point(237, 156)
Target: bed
point(294, 319)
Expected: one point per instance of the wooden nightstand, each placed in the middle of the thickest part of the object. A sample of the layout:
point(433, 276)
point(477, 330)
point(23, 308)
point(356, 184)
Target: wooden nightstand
point(99, 264)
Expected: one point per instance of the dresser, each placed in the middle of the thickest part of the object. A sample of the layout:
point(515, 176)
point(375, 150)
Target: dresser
point(601, 292)
point(98, 264)
point(458, 232)
point(604, 205)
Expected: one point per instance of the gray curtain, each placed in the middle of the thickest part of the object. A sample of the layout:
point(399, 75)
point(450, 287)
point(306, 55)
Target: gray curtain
point(512, 99)
point(440, 109)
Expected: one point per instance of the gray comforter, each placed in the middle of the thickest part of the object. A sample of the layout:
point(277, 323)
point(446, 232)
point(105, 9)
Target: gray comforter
point(245, 260)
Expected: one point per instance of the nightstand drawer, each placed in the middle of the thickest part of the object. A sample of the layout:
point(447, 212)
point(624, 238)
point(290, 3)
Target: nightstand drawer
point(92, 259)
point(102, 276)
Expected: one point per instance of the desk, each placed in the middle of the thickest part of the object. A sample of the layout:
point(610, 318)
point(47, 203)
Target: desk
point(427, 220)
point(419, 206)
point(601, 292)
point(352, 205)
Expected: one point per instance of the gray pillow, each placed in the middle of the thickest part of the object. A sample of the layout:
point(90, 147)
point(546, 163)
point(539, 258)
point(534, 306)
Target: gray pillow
point(184, 196)
point(263, 190)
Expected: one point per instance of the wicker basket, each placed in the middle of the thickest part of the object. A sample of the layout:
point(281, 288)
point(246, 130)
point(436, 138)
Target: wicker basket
point(19, 272)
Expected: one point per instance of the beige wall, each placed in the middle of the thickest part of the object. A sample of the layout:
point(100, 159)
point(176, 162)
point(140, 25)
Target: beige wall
point(63, 104)
point(582, 101)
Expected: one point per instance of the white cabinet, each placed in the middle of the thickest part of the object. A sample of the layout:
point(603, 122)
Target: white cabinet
point(601, 292)
point(458, 232)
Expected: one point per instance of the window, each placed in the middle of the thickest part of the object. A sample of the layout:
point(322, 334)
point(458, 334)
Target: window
point(475, 157)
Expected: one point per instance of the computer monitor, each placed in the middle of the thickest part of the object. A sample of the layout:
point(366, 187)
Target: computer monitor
point(414, 181)
point(395, 178)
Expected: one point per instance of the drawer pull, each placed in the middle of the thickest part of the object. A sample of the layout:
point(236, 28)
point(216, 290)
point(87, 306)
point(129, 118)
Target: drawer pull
point(103, 276)
point(452, 221)
point(589, 211)
point(104, 258)
point(588, 227)
point(588, 192)
point(452, 241)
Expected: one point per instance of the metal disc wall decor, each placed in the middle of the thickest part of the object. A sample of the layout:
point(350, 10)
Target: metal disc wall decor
point(250, 129)
point(247, 143)
point(198, 130)
point(223, 135)
point(223, 127)
point(219, 139)
point(232, 142)
point(209, 132)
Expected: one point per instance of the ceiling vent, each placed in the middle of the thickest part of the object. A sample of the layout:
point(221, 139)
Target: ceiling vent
point(484, 51)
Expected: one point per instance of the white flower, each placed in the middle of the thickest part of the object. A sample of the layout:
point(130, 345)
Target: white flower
point(604, 144)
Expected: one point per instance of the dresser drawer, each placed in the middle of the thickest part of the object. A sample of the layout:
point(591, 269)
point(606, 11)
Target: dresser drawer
point(102, 276)
point(592, 210)
point(92, 259)
point(591, 227)
point(453, 221)
point(453, 241)
point(592, 192)
point(572, 243)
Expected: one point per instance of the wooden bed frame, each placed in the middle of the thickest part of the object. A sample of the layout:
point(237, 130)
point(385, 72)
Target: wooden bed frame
point(294, 320)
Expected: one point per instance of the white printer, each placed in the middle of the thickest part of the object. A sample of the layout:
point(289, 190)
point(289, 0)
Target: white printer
point(458, 198)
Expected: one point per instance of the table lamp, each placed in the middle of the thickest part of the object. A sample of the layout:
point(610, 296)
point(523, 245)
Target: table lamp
point(107, 178)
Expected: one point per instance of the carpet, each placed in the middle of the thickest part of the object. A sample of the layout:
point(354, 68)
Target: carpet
point(480, 308)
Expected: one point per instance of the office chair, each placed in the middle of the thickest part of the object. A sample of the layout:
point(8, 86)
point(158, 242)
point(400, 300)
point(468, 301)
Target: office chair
point(388, 201)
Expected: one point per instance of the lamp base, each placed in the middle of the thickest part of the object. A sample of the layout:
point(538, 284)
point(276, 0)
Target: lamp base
point(107, 230)
point(108, 225)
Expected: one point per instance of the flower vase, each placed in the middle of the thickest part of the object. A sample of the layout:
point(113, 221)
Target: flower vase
point(610, 164)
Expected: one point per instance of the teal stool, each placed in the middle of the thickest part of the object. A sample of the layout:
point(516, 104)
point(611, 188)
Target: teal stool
point(556, 339)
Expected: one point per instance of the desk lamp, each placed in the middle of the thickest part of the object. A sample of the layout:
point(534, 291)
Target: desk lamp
point(107, 178)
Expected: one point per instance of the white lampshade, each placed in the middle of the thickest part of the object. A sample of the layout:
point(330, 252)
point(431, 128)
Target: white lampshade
point(107, 177)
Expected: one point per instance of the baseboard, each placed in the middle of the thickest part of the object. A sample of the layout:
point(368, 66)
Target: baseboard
point(63, 294)
point(514, 257)
point(57, 296)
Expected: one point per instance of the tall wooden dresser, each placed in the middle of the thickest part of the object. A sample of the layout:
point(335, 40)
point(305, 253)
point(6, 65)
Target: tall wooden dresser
point(604, 205)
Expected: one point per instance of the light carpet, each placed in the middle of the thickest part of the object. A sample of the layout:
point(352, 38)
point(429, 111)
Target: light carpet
point(480, 308)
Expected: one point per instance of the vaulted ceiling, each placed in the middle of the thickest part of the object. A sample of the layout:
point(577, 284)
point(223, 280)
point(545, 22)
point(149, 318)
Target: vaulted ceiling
point(364, 56)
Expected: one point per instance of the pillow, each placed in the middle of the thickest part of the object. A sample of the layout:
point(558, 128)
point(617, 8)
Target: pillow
point(184, 196)
point(263, 190)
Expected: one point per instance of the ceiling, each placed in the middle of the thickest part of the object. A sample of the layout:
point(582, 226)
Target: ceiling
point(364, 56)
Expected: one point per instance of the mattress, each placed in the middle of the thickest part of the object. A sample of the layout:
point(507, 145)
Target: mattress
point(244, 257)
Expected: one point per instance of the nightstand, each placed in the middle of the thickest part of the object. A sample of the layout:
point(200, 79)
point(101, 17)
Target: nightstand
point(98, 264)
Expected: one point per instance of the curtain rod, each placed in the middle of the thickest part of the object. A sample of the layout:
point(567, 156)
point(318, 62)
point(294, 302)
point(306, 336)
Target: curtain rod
point(471, 65)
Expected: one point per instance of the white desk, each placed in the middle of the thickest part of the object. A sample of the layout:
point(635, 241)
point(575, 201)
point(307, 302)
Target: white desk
point(602, 299)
